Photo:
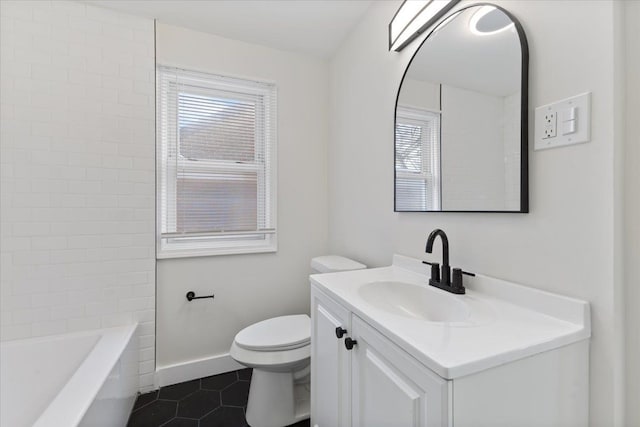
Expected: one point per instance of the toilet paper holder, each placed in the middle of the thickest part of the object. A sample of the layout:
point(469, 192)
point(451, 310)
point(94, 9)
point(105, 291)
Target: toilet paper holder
point(192, 295)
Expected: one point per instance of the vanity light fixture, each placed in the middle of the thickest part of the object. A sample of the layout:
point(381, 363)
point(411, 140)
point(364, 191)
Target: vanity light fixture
point(489, 20)
point(413, 18)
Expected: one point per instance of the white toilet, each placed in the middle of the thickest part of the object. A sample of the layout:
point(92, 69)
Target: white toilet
point(279, 351)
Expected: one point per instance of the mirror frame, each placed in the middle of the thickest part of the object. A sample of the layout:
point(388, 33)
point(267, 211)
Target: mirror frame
point(524, 114)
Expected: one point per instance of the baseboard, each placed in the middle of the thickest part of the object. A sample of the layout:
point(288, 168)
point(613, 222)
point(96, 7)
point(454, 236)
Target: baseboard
point(193, 369)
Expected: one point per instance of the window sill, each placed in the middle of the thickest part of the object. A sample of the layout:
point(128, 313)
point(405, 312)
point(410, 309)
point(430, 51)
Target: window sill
point(189, 253)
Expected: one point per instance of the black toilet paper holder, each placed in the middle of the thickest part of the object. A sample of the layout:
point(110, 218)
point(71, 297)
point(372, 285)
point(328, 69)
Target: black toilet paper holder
point(192, 295)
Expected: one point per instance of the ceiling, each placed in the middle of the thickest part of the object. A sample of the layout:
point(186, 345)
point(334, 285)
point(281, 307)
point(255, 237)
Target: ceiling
point(314, 27)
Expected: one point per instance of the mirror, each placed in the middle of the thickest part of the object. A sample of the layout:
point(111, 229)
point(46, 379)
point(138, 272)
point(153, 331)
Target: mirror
point(461, 117)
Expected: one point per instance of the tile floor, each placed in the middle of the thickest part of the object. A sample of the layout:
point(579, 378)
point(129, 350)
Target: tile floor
point(217, 401)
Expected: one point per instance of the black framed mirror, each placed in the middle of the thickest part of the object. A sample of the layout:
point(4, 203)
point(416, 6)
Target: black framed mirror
point(461, 131)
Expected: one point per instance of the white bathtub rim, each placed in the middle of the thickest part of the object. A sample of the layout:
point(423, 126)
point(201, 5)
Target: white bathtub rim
point(73, 401)
point(46, 338)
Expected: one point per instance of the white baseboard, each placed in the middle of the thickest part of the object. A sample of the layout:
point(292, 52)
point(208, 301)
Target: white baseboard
point(193, 369)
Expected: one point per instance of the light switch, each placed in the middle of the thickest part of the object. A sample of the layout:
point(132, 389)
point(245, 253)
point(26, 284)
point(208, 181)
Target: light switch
point(568, 127)
point(568, 114)
point(573, 122)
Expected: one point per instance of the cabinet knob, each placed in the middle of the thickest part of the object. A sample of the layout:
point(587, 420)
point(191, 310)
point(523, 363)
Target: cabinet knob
point(340, 332)
point(349, 343)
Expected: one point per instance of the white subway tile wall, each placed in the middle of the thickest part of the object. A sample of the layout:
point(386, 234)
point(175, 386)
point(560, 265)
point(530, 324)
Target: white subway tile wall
point(77, 158)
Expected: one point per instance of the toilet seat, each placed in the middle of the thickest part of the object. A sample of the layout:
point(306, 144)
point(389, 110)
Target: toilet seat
point(277, 334)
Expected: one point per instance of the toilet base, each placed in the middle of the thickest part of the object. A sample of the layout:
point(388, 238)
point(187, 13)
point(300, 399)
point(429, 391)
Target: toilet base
point(276, 399)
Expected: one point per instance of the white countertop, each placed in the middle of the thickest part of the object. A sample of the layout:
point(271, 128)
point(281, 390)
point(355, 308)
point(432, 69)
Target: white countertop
point(506, 321)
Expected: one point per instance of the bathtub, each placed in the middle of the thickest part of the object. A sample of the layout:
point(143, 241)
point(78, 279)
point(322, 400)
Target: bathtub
point(80, 379)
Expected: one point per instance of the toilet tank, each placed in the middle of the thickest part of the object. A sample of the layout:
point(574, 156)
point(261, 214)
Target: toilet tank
point(334, 263)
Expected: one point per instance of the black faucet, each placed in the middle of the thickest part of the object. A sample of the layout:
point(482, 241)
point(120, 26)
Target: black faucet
point(445, 283)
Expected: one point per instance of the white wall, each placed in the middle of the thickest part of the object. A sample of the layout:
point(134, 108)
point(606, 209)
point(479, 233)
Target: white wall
point(250, 288)
point(564, 245)
point(472, 174)
point(77, 149)
point(512, 150)
point(420, 94)
point(632, 210)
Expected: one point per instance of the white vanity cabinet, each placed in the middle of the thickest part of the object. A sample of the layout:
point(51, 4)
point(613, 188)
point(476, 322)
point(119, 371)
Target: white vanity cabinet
point(375, 383)
point(506, 365)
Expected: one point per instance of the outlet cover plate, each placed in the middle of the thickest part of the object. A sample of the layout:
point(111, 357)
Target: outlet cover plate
point(577, 108)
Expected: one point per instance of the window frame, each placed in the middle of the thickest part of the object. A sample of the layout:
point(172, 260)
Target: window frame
point(423, 118)
point(192, 244)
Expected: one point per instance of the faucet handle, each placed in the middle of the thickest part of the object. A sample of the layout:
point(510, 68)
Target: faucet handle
point(456, 279)
point(435, 271)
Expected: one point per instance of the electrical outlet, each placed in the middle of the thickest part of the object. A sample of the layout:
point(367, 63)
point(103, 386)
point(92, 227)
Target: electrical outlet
point(563, 122)
point(550, 124)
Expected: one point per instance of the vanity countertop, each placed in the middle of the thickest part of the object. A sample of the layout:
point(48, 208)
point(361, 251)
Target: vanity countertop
point(505, 321)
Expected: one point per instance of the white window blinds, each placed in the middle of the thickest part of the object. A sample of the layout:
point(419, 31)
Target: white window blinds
point(216, 152)
point(417, 160)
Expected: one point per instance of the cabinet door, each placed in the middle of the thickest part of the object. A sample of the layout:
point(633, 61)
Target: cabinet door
point(392, 389)
point(330, 363)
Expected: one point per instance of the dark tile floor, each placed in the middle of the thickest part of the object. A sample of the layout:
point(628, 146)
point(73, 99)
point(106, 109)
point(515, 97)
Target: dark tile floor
point(217, 401)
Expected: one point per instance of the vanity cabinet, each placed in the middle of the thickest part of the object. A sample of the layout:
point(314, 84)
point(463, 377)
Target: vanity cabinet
point(375, 383)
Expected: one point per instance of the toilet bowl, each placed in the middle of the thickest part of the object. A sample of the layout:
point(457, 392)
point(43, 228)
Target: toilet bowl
point(279, 351)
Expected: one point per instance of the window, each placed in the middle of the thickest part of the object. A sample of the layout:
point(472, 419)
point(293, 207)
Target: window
point(417, 160)
point(216, 157)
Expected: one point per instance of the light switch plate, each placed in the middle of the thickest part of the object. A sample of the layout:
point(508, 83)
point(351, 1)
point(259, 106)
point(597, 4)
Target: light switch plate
point(576, 109)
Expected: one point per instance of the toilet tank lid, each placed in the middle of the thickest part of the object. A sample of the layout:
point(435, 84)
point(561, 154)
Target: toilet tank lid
point(333, 263)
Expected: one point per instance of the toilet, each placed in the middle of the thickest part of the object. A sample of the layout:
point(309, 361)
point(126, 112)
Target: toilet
point(279, 351)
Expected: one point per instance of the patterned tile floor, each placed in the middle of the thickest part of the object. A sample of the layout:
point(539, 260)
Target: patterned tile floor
point(217, 401)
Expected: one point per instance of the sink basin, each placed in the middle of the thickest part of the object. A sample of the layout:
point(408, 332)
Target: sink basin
point(418, 302)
